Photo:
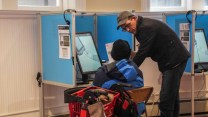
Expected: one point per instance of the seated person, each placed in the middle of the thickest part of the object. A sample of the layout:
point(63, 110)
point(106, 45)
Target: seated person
point(121, 70)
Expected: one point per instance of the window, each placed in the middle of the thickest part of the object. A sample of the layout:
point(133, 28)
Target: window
point(167, 5)
point(37, 3)
point(49, 5)
point(206, 2)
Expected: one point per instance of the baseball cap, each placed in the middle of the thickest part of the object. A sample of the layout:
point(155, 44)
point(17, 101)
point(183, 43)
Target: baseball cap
point(123, 17)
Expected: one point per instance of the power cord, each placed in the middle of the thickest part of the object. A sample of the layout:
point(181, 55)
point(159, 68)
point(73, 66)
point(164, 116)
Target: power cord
point(190, 12)
point(67, 11)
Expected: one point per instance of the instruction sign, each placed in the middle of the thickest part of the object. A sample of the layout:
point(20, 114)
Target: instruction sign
point(64, 42)
point(185, 35)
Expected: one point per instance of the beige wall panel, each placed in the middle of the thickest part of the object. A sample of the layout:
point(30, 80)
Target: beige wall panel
point(9, 4)
point(113, 5)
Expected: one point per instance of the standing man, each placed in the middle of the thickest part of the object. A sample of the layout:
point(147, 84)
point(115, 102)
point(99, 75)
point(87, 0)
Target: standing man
point(161, 43)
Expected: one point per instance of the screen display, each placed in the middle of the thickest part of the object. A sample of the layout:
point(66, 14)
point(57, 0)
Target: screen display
point(200, 50)
point(87, 55)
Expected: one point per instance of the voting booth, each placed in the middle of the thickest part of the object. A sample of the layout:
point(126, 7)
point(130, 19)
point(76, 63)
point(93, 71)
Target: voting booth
point(90, 32)
point(74, 43)
point(192, 29)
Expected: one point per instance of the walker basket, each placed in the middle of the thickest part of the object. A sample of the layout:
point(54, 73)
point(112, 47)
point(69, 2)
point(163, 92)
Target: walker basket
point(77, 105)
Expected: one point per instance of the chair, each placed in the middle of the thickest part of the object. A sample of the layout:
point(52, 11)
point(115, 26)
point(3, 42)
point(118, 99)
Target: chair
point(141, 95)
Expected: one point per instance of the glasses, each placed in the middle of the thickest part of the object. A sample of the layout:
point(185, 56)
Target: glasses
point(124, 28)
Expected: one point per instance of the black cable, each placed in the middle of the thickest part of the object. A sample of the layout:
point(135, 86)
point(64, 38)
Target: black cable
point(68, 10)
point(187, 14)
point(67, 21)
point(38, 78)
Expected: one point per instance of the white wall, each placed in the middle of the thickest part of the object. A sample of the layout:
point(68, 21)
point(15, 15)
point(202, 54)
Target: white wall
point(9, 4)
point(197, 4)
point(18, 65)
point(54, 100)
point(113, 5)
point(0, 4)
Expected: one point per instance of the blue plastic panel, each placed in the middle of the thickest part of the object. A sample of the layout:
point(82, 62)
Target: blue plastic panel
point(174, 21)
point(108, 33)
point(201, 22)
point(55, 69)
point(84, 23)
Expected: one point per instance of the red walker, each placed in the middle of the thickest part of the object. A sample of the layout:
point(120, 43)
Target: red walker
point(77, 107)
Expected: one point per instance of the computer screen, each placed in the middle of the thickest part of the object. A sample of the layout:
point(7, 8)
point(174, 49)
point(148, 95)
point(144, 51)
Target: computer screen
point(200, 50)
point(87, 55)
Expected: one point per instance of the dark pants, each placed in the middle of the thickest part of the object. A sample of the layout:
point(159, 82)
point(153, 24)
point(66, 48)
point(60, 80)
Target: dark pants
point(169, 94)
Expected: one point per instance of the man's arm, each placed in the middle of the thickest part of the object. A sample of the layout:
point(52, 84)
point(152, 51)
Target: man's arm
point(147, 37)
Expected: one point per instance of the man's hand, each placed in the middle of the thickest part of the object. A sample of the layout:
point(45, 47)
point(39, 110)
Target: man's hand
point(133, 53)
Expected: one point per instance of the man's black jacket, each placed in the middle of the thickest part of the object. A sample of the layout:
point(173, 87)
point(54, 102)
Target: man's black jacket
point(159, 42)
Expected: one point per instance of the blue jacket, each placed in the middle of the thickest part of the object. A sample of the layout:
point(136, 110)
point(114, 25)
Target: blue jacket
point(124, 71)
